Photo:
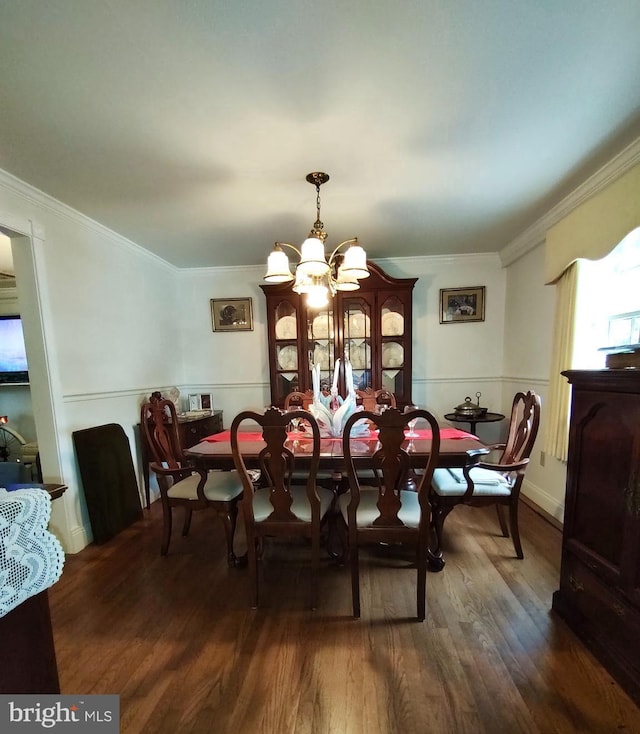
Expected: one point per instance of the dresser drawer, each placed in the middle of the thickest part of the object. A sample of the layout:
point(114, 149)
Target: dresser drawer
point(604, 616)
point(193, 431)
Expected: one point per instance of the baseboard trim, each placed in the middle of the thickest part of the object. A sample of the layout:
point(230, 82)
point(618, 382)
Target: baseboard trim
point(543, 513)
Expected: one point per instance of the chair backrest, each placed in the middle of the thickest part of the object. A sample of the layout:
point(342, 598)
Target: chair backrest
point(392, 464)
point(277, 461)
point(298, 400)
point(523, 428)
point(370, 398)
point(159, 425)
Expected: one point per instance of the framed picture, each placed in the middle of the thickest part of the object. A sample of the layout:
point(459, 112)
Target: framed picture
point(231, 314)
point(200, 401)
point(461, 305)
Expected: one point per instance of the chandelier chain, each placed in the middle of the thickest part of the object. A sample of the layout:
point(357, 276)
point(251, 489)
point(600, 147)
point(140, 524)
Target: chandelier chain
point(318, 224)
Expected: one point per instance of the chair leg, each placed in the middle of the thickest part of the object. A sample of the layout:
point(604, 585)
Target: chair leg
point(229, 521)
point(355, 576)
point(166, 528)
point(186, 526)
point(315, 564)
point(515, 532)
point(502, 521)
point(252, 567)
point(438, 516)
point(421, 565)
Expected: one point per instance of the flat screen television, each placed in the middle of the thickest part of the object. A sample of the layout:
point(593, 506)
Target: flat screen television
point(13, 355)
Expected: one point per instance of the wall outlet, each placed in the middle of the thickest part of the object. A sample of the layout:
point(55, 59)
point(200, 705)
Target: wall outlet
point(543, 458)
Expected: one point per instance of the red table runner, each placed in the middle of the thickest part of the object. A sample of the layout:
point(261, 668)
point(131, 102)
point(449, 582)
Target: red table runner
point(422, 433)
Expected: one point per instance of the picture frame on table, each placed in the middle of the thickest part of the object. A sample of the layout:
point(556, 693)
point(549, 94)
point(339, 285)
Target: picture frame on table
point(200, 401)
point(461, 305)
point(231, 314)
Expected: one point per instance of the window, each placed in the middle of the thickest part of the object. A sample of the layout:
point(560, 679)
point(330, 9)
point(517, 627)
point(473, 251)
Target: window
point(608, 303)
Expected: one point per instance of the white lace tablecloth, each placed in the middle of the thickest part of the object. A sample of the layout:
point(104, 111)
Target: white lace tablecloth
point(31, 558)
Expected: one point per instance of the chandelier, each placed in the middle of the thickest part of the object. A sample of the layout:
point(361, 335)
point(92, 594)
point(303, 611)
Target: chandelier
point(316, 276)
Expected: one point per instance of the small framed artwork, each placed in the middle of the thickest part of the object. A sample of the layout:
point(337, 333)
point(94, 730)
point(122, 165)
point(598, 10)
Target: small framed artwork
point(231, 314)
point(200, 401)
point(458, 305)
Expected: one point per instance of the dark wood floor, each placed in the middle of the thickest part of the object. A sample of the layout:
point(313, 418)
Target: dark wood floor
point(175, 638)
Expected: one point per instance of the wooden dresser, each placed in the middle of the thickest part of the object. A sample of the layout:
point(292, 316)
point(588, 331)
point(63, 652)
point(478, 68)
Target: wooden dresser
point(599, 594)
point(191, 430)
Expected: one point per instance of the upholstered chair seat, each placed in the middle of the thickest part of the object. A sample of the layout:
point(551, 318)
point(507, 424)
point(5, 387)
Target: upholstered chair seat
point(452, 483)
point(300, 506)
point(221, 486)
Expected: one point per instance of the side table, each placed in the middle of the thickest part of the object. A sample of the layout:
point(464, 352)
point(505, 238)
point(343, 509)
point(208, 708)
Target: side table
point(191, 431)
point(55, 490)
point(486, 418)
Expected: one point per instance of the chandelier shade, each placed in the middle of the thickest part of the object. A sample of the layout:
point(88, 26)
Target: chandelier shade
point(278, 270)
point(316, 276)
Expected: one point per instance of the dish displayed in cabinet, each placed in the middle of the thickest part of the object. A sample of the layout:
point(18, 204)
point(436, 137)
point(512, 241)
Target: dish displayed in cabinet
point(288, 358)
point(320, 327)
point(359, 325)
point(360, 356)
point(286, 328)
point(392, 324)
point(321, 357)
point(392, 355)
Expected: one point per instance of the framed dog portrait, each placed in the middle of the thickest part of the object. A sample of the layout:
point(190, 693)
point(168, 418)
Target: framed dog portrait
point(459, 305)
point(231, 314)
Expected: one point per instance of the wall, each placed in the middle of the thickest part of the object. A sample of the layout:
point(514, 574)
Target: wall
point(529, 314)
point(108, 335)
point(450, 361)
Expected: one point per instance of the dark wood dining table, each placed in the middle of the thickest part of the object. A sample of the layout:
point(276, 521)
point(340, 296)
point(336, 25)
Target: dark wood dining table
point(214, 452)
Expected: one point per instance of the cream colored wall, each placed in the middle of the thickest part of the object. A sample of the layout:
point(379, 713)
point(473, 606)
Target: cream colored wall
point(108, 334)
point(449, 360)
point(529, 314)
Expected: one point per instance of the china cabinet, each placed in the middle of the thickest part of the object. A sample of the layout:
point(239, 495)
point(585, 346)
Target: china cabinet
point(599, 594)
point(370, 326)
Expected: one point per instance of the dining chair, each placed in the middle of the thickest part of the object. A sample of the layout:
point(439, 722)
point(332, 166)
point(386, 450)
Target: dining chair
point(484, 482)
point(298, 400)
point(278, 507)
point(370, 399)
point(382, 510)
point(182, 485)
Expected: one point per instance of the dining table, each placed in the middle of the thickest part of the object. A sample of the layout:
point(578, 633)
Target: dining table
point(214, 452)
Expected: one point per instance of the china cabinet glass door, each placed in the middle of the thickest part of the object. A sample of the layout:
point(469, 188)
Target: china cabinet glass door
point(286, 355)
point(392, 345)
point(356, 330)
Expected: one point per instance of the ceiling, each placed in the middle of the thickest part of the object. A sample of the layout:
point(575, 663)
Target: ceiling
point(447, 126)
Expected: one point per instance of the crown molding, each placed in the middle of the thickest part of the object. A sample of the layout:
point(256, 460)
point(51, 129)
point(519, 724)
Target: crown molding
point(45, 201)
point(535, 234)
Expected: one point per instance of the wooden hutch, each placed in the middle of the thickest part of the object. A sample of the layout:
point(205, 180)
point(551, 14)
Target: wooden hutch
point(599, 594)
point(370, 326)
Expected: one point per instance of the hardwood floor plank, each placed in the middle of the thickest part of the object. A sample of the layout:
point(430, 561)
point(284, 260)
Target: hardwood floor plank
point(176, 639)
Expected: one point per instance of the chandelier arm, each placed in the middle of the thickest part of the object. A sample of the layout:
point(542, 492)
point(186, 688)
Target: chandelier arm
point(346, 242)
point(292, 247)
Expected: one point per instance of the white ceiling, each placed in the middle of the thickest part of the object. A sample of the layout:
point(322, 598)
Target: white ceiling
point(447, 126)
